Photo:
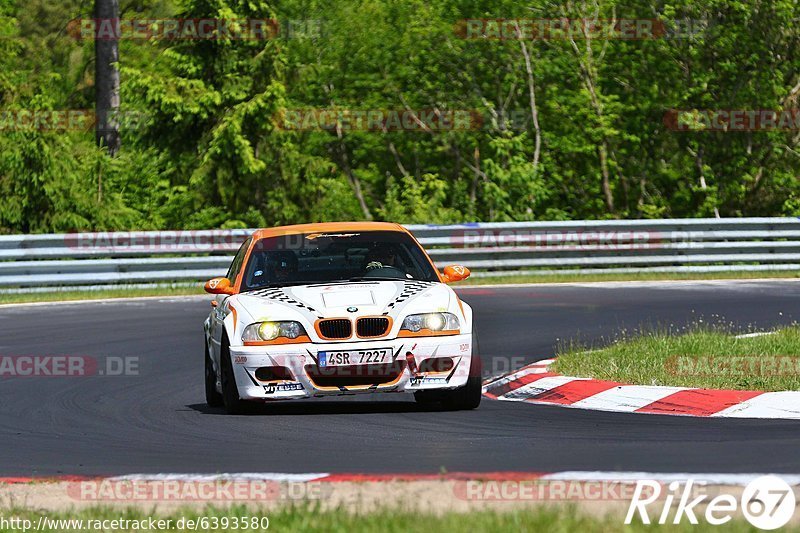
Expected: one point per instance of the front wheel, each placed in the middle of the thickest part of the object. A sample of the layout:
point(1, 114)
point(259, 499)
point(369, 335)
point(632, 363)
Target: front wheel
point(213, 398)
point(463, 398)
point(230, 393)
point(468, 396)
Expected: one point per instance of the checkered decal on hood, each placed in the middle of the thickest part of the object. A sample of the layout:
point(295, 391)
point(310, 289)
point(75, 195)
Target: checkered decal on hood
point(410, 288)
point(279, 295)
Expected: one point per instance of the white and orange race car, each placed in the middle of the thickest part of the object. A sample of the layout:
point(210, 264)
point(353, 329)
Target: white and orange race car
point(336, 309)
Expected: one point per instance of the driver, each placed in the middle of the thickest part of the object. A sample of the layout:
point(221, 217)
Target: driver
point(282, 266)
point(380, 256)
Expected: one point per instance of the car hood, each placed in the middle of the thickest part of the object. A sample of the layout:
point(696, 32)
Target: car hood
point(346, 299)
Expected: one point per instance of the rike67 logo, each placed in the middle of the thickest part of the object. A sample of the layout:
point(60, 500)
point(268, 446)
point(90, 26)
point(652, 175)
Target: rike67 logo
point(767, 503)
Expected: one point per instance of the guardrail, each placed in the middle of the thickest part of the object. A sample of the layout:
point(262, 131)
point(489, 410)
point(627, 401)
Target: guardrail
point(489, 249)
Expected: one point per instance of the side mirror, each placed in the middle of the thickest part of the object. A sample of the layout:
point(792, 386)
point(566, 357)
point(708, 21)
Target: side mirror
point(218, 286)
point(454, 273)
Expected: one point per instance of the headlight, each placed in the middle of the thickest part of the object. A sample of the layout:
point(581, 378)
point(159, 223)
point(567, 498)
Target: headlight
point(269, 331)
point(431, 321)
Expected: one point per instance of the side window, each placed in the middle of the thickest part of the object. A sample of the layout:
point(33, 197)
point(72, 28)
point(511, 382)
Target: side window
point(236, 265)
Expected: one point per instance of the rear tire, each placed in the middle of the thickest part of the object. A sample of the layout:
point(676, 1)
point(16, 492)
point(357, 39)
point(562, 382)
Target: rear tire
point(213, 398)
point(230, 393)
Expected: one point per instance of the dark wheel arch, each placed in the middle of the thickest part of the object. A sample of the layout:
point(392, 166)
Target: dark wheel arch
point(233, 404)
point(213, 397)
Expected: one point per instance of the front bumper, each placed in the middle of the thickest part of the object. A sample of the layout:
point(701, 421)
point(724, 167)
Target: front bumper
point(405, 373)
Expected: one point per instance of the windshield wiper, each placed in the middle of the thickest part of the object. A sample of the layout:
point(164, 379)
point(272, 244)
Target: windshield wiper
point(277, 285)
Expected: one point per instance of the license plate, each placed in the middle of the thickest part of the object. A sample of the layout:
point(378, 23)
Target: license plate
point(354, 357)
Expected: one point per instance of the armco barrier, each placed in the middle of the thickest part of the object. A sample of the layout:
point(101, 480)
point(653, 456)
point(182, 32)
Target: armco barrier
point(489, 249)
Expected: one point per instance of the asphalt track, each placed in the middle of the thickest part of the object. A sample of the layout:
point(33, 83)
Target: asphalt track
point(157, 421)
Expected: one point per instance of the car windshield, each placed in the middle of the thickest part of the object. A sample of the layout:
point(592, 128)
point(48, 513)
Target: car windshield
point(329, 257)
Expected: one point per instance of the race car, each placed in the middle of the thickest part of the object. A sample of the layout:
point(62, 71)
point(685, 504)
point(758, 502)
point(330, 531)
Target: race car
point(335, 309)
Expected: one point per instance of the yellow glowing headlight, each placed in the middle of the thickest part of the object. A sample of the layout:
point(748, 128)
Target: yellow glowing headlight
point(269, 331)
point(431, 321)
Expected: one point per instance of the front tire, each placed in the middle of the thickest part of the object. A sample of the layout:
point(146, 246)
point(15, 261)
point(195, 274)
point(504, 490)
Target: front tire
point(230, 393)
point(469, 396)
point(463, 398)
point(213, 398)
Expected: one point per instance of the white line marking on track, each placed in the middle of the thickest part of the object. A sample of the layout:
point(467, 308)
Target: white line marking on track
point(538, 387)
point(539, 367)
point(657, 284)
point(700, 478)
point(524, 371)
point(242, 476)
point(756, 334)
point(133, 299)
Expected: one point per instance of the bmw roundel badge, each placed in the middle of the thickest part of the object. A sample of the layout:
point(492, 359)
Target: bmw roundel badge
point(352, 309)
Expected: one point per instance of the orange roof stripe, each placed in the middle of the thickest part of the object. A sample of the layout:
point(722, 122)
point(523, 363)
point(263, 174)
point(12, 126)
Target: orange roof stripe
point(327, 227)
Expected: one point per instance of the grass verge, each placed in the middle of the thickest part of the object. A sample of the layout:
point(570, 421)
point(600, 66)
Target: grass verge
point(123, 292)
point(650, 276)
point(555, 519)
point(700, 358)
